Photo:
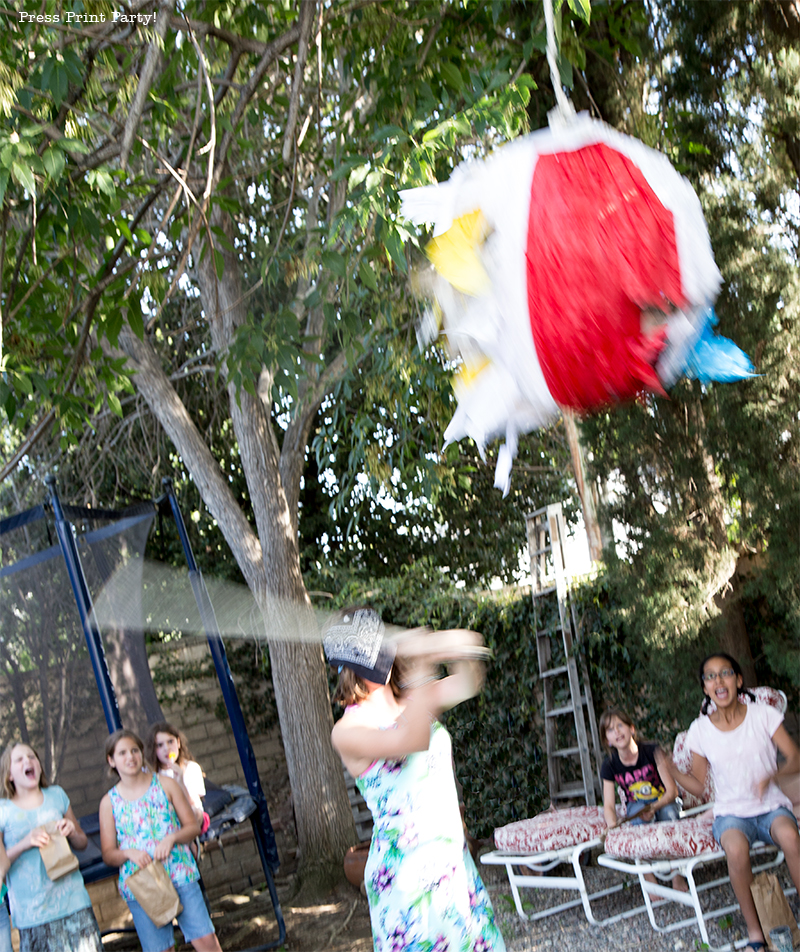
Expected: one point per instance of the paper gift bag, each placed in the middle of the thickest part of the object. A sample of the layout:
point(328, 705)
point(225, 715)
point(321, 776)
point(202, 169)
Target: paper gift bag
point(57, 857)
point(153, 890)
point(772, 907)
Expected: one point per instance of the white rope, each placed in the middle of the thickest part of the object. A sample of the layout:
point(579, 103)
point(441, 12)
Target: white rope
point(565, 110)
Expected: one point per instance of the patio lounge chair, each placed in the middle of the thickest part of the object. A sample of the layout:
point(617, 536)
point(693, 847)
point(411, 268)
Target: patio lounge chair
point(683, 846)
point(542, 843)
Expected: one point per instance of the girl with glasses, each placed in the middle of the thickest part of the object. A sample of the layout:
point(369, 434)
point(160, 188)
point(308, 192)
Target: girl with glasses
point(739, 743)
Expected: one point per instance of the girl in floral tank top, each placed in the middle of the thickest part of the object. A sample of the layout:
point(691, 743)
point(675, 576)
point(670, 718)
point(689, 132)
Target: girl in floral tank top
point(143, 823)
point(145, 818)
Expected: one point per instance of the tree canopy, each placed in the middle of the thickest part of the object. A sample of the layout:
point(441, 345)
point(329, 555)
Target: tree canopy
point(202, 270)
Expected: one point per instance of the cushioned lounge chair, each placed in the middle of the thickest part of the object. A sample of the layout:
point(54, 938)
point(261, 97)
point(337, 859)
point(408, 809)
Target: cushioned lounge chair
point(531, 849)
point(683, 846)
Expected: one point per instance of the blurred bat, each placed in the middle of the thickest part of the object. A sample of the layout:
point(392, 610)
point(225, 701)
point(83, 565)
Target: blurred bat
point(152, 596)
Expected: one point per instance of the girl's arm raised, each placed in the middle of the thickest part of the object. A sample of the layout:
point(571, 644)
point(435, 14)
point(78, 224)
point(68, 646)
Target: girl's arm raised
point(465, 679)
point(460, 649)
point(109, 848)
point(189, 828)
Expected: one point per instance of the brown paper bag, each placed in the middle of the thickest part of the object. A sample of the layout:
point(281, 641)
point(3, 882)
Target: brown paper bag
point(153, 890)
point(772, 907)
point(57, 857)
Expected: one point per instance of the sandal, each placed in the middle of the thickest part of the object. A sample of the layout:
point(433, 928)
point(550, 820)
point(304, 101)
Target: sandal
point(756, 946)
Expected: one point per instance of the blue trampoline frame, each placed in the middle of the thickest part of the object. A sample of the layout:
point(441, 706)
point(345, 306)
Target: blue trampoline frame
point(260, 819)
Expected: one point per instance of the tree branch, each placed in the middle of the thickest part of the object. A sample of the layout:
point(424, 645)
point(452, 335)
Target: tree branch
point(307, 9)
point(152, 66)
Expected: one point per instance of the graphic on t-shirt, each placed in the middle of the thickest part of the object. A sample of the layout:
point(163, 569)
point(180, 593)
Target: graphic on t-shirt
point(643, 792)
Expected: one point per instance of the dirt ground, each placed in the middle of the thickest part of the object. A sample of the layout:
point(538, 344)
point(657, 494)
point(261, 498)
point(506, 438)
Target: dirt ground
point(247, 921)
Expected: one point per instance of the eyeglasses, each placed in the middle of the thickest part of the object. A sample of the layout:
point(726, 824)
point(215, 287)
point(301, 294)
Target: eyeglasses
point(713, 675)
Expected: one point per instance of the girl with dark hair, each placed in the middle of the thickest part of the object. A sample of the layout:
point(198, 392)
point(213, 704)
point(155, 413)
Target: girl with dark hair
point(738, 743)
point(735, 667)
point(49, 915)
point(422, 885)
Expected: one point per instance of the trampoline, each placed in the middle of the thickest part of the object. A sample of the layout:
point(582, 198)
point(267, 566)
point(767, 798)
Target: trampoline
point(64, 685)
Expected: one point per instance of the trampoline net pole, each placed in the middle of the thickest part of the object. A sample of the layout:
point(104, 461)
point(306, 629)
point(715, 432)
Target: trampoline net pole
point(262, 825)
point(83, 601)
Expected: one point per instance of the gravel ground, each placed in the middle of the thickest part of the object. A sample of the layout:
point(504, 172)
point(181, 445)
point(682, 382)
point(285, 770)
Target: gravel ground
point(569, 931)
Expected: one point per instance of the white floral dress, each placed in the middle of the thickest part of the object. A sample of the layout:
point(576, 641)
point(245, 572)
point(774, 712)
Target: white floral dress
point(424, 892)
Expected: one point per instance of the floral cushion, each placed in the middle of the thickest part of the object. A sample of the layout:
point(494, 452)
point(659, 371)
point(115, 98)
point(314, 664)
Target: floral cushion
point(552, 830)
point(676, 839)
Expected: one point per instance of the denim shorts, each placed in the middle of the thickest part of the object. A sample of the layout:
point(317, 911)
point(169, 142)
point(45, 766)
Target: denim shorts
point(194, 921)
point(669, 812)
point(755, 828)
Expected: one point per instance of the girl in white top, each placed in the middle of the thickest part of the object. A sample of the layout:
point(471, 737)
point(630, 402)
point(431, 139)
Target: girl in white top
point(739, 743)
point(167, 753)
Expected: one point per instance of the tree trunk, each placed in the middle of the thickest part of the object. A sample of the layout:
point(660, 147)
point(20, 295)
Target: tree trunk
point(325, 826)
point(731, 624)
point(733, 631)
point(126, 656)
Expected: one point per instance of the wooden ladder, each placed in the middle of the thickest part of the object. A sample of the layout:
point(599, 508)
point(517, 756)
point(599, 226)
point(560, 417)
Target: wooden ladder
point(568, 702)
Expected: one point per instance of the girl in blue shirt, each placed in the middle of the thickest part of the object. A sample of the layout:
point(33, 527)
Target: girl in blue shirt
point(49, 915)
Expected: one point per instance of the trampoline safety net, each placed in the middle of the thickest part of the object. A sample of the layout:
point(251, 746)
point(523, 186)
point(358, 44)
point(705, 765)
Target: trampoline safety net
point(48, 692)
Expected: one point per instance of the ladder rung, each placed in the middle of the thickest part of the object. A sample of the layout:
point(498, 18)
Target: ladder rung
point(569, 709)
point(536, 512)
point(571, 790)
point(547, 548)
point(566, 752)
point(544, 591)
point(554, 672)
point(546, 632)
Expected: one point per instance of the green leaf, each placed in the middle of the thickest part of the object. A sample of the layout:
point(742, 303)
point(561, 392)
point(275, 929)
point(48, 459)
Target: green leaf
point(334, 262)
point(114, 405)
point(24, 176)
point(136, 321)
point(72, 145)
point(357, 176)
point(367, 275)
point(583, 8)
point(124, 230)
point(394, 246)
point(24, 384)
point(54, 162)
point(3, 184)
point(452, 76)
point(346, 167)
